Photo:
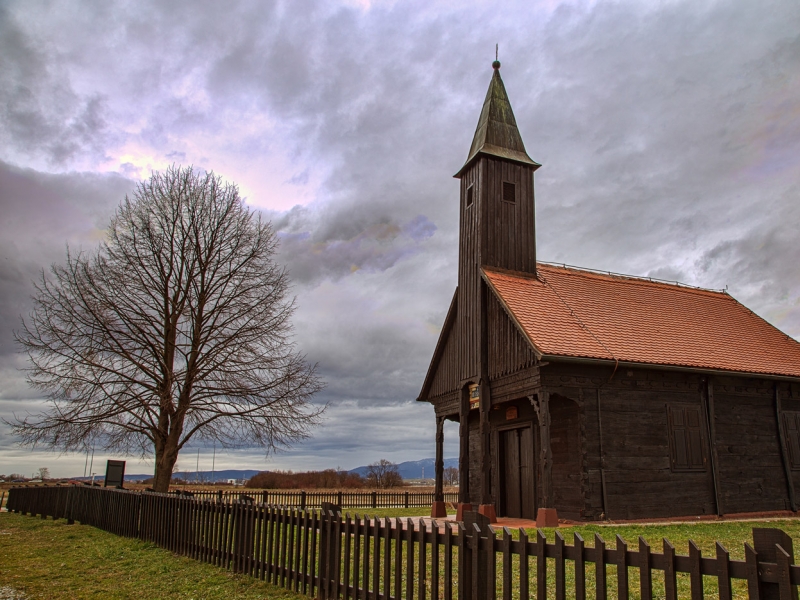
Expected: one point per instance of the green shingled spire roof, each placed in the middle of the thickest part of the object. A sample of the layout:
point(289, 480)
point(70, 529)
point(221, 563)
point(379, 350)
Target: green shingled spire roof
point(497, 133)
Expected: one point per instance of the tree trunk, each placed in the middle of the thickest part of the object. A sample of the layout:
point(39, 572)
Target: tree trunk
point(166, 457)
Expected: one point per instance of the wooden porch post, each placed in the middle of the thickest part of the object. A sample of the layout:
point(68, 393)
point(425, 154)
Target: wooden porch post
point(486, 507)
point(546, 516)
point(463, 456)
point(438, 509)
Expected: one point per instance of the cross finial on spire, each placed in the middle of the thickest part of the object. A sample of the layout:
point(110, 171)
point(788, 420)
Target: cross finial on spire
point(496, 63)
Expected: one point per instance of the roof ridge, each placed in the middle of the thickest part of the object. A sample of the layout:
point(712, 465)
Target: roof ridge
point(636, 278)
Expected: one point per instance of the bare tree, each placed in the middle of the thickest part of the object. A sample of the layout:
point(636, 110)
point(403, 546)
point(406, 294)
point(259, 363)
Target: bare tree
point(383, 474)
point(451, 476)
point(177, 327)
point(44, 473)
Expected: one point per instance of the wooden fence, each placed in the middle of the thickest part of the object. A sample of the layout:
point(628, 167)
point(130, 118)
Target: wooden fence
point(305, 500)
point(327, 555)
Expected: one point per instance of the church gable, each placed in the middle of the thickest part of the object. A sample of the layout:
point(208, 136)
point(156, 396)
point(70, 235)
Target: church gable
point(443, 375)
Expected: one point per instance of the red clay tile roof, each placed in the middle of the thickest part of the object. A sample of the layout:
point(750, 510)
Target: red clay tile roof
point(575, 313)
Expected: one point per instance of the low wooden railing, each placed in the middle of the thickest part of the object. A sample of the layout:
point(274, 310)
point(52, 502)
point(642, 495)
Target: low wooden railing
point(327, 555)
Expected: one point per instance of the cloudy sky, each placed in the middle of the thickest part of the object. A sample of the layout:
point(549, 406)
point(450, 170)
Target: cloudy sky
point(669, 134)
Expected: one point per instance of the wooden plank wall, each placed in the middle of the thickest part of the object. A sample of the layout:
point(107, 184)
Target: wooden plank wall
point(448, 370)
point(565, 443)
point(469, 281)
point(509, 352)
point(790, 401)
point(751, 472)
point(509, 229)
point(639, 479)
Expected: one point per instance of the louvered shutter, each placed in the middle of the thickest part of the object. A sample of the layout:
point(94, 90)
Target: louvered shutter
point(687, 446)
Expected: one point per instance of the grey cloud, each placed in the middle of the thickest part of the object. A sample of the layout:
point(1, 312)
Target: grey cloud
point(42, 214)
point(40, 112)
point(668, 135)
point(334, 250)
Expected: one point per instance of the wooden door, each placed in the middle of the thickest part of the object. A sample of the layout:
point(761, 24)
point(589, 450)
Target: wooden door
point(517, 473)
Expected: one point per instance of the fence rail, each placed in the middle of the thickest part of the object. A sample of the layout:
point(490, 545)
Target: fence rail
point(305, 500)
point(327, 555)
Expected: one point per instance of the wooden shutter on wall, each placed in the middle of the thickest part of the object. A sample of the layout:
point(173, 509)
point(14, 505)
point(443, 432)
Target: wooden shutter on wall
point(791, 429)
point(686, 439)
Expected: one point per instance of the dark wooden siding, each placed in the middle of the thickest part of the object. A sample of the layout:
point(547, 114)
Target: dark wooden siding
point(640, 480)
point(508, 350)
point(791, 403)
point(639, 476)
point(469, 282)
point(509, 235)
point(519, 384)
point(751, 471)
point(492, 233)
point(565, 442)
point(447, 376)
point(447, 405)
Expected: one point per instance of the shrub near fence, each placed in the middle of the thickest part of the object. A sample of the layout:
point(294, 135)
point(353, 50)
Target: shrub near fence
point(352, 499)
point(330, 556)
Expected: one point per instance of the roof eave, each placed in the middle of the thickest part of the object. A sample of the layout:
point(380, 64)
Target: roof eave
point(509, 155)
point(664, 367)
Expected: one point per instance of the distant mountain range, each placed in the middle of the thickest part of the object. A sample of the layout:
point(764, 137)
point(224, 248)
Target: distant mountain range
point(223, 475)
point(415, 469)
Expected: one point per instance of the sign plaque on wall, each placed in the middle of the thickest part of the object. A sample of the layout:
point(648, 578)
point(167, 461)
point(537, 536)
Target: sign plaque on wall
point(511, 413)
point(474, 396)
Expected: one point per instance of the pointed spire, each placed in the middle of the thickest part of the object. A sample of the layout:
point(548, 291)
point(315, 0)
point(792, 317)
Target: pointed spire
point(497, 133)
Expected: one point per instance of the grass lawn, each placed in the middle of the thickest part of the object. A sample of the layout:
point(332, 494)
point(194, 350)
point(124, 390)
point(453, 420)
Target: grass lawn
point(47, 559)
point(731, 534)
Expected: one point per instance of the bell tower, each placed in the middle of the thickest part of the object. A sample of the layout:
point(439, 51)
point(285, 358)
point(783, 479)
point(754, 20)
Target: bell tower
point(497, 221)
point(497, 200)
point(496, 229)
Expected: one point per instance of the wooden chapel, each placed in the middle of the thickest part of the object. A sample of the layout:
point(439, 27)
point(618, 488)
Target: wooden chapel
point(593, 395)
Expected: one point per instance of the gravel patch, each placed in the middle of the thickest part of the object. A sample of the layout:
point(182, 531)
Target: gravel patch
point(9, 593)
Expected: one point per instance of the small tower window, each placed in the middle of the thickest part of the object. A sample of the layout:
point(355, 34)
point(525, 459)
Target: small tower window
point(469, 195)
point(509, 192)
